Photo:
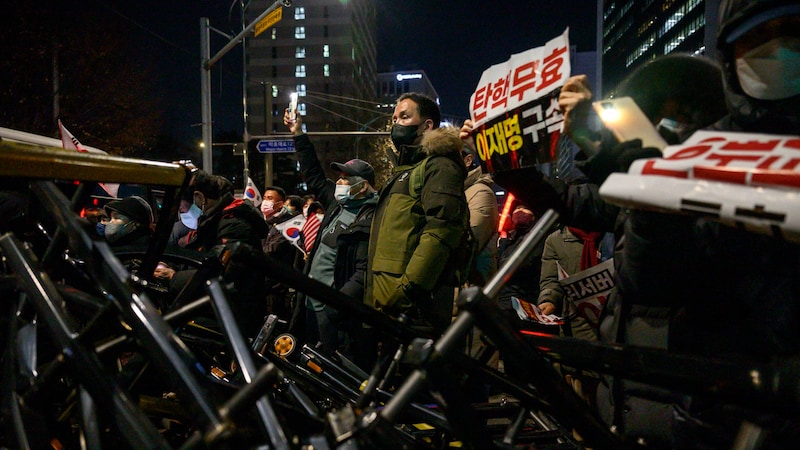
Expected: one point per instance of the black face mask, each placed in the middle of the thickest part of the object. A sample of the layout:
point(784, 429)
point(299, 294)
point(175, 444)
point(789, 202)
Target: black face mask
point(404, 138)
point(404, 135)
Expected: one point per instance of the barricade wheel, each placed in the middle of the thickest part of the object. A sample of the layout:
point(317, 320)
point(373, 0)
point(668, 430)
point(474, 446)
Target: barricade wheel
point(285, 345)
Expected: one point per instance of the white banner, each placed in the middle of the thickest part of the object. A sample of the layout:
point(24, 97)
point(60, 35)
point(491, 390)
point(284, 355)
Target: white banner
point(523, 78)
point(746, 180)
point(588, 289)
point(729, 157)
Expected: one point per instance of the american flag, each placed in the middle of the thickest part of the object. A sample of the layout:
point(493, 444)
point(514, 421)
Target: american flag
point(310, 229)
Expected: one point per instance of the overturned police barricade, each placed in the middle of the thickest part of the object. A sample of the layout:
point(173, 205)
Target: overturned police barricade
point(92, 356)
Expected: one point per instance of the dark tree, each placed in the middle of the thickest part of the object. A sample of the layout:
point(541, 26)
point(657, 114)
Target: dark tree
point(62, 60)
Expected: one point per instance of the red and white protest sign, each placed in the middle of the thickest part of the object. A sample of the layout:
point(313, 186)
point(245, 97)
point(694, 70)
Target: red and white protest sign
point(588, 289)
point(740, 158)
point(515, 107)
point(745, 179)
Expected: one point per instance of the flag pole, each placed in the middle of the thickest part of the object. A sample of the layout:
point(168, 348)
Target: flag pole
point(246, 166)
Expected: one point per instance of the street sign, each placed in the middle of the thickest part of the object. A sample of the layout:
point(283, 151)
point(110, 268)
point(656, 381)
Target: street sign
point(275, 146)
point(268, 21)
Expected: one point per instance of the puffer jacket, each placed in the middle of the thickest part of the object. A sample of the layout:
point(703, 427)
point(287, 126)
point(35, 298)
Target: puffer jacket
point(483, 219)
point(412, 239)
point(230, 220)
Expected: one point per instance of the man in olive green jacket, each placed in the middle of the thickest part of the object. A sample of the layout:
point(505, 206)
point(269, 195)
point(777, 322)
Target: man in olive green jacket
point(414, 235)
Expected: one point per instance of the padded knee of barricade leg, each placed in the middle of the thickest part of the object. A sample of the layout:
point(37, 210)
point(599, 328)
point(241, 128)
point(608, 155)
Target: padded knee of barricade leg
point(471, 296)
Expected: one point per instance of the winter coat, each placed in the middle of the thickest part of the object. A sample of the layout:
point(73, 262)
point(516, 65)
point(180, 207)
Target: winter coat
point(352, 243)
point(483, 219)
point(563, 248)
point(230, 220)
point(227, 222)
point(413, 238)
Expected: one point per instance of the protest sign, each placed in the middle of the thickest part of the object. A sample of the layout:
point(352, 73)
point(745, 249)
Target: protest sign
point(742, 179)
point(515, 107)
point(588, 289)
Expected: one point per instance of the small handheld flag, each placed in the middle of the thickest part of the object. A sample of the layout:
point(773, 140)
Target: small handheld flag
point(251, 193)
point(291, 229)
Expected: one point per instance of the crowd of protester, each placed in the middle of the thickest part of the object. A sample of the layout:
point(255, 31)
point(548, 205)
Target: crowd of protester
point(405, 248)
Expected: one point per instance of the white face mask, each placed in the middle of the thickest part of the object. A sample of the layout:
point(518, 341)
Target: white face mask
point(342, 193)
point(189, 218)
point(305, 211)
point(771, 71)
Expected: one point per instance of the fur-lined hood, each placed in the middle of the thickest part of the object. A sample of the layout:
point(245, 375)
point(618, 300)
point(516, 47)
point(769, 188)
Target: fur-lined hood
point(442, 141)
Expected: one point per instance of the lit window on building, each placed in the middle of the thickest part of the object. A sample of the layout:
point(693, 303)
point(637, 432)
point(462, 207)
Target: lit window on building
point(274, 91)
point(300, 71)
point(326, 51)
point(301, 90)
point(299, 32)
point(301, 108)
point(299, 13)
point(684, 33)
point(300, 52)
point(274, 34)
point(326, 70)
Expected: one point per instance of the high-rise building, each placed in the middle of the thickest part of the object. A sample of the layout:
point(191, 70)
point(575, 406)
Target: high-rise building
point(392, 85)
point(325, 51)
point(635, 31)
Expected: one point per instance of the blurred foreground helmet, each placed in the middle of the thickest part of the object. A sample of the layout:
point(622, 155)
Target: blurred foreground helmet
point(759, 49)
point(682, 88)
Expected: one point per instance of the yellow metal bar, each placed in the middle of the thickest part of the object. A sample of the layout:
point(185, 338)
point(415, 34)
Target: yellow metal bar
point(37, 161)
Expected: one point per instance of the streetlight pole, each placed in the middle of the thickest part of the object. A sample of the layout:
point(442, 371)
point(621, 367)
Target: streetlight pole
point(207, 62)
point(205, 91)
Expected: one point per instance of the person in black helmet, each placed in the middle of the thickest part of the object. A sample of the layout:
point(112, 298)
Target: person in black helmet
point(130, 222)
point(759, 49)
point(695, 286)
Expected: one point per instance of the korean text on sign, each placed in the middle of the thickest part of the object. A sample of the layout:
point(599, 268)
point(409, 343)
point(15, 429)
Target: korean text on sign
point(739, 158)
point(524, 77)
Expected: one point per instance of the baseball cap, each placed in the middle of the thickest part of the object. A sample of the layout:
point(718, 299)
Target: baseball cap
point(356, 167)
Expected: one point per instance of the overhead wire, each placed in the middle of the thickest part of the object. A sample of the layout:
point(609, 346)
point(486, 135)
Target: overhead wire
point(192, 55)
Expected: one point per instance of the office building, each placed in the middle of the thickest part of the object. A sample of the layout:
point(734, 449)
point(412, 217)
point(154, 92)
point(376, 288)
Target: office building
point(325, 51)
point(635, 31)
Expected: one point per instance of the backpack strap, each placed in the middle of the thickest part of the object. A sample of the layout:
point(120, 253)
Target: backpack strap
point(417, 178)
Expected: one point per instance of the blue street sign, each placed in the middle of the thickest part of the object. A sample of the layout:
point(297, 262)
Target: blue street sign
point(275, 146)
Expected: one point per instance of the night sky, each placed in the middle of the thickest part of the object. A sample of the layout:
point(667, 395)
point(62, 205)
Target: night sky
point(453, 41)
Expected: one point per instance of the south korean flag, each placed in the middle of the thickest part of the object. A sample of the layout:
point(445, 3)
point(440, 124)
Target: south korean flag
point(251, 193)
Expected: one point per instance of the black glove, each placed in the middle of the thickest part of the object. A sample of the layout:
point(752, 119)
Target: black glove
point(617, 158)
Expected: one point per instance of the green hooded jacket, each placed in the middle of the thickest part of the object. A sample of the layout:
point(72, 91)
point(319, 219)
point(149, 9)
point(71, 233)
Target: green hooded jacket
point(413, 237)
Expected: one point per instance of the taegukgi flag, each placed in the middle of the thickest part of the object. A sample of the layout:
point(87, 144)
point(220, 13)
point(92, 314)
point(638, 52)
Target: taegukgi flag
point(291, 229)
point(251, 193)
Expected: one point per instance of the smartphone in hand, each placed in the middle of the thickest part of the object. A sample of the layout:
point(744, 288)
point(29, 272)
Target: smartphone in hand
point(293, 106)
point(627, 121)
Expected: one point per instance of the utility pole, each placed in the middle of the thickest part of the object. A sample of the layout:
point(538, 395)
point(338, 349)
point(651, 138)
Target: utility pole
point(269, 172)
point(207, 62)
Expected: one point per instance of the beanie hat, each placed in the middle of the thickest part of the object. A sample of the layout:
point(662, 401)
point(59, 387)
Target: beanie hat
point(134, 207)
